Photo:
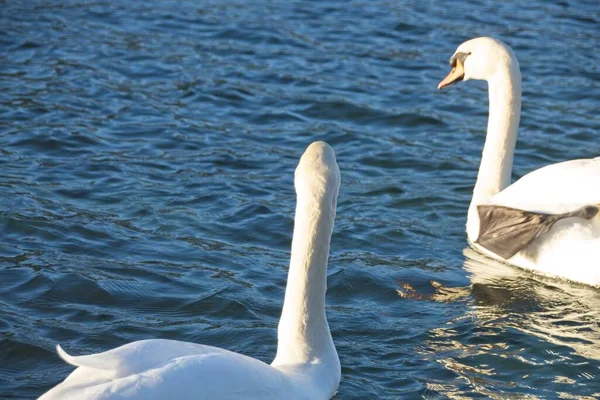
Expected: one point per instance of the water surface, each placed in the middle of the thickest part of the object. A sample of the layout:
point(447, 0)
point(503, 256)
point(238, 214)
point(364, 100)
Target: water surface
point(146, 186)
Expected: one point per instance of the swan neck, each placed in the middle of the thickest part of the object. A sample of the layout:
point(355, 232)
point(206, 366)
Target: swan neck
point(303, 333)
point(498, 151)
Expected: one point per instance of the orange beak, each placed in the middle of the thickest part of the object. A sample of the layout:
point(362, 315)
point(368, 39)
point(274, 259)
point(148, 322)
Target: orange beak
point(456, 75)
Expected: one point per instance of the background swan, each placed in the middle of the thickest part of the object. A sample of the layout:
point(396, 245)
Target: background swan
point(306, 365)
point(548, 220)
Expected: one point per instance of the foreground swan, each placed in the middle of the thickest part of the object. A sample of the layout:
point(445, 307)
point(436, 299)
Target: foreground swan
point(548, 220)
point(306, 366)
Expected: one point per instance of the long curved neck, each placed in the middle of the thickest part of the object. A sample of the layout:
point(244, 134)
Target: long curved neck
point(498, 151)
point(303, 333)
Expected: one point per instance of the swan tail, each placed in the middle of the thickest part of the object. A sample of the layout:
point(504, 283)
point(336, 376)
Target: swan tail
point(134, 357)
point(101, 361)
point(69, 359)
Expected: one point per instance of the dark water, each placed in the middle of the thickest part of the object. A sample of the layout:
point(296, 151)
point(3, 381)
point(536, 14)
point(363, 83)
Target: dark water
point(146, 186)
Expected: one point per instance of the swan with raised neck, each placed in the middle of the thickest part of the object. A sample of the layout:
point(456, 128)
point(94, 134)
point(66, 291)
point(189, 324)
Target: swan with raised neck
point(569, 191)
point(306, 366)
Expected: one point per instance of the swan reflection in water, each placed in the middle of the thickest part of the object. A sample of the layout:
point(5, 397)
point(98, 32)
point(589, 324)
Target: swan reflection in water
point(518, 330)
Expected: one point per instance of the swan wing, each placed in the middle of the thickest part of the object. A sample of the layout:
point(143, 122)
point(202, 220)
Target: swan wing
point(555, 189)
point(565, 196)
point(161, 369)
point(506, 231)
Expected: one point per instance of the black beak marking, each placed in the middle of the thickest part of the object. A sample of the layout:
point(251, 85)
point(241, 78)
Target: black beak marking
point(458, 56)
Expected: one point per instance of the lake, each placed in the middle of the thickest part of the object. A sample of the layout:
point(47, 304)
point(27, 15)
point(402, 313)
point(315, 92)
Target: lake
point(147, 152)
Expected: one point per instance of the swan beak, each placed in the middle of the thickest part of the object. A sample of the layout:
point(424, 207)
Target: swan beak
point(456, 75)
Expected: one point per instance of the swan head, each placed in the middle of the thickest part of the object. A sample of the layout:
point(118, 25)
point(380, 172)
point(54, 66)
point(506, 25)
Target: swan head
point(481, 58)
point(318, 175)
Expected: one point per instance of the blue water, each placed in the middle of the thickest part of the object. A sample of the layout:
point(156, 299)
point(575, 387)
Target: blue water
point(147, 152)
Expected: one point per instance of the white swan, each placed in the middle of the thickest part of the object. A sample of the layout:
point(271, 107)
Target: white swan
point(548, 220)
point(306, 365)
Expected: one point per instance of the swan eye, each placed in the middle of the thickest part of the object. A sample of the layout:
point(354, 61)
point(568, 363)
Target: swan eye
point(590, 211)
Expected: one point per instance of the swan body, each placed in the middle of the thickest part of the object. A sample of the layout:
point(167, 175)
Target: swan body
point(570, 249)
point(306, 365)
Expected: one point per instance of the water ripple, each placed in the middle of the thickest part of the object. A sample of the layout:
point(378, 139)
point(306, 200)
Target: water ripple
point(147, 155)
